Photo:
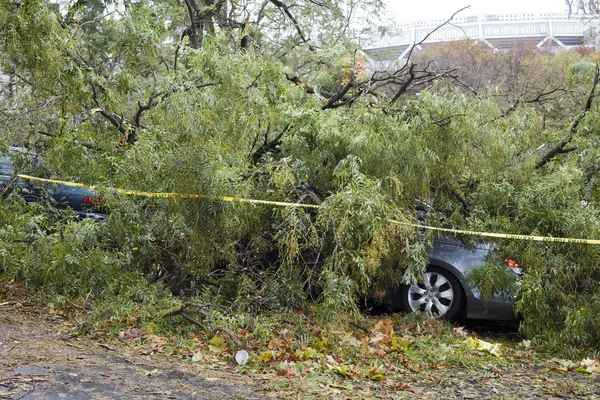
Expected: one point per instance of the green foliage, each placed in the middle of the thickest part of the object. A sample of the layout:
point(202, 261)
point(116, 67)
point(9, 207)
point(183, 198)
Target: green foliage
point(493, 279)
point(124, 99)
point(65, 256)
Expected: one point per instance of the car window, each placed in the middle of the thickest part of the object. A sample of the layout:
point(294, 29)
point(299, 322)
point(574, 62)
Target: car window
point(6, 167)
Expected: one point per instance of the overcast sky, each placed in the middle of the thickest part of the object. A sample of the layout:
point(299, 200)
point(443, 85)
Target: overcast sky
point(419, 10)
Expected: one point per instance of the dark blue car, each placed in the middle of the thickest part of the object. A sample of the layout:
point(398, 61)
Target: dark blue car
point(85, 202)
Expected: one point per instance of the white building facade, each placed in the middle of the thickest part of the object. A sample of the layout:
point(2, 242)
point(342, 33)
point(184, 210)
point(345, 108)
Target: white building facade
point(562, 31)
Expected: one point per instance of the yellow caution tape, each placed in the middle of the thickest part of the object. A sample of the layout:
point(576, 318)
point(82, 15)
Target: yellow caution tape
point(171, 195)
point(314, 206)
point(502, 235)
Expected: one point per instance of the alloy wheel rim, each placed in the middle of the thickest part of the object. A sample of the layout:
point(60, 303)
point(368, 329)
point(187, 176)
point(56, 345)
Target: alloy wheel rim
point(434, 296)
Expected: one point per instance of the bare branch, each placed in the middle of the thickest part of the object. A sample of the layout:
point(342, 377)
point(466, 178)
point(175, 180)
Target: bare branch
point(269, 145)
point(541, 98)
point(444, 122)
point(113, 119)
point(405, 84)
point(176, 57)
point(340, 94)
point(433, 31)
point(284, 8)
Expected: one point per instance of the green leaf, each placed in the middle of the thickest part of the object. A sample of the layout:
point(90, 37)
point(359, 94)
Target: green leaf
point(217, 344)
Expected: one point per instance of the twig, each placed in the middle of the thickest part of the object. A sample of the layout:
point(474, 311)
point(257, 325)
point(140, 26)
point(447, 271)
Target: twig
point(444, 122)
point(73, 345)
point(362, 328)
point(21, 240)
point(107, 347)
point(232, 336)
point(193, 321)
point(112, 118)
point(182, 312)
point(433, 31)
point(284, 8)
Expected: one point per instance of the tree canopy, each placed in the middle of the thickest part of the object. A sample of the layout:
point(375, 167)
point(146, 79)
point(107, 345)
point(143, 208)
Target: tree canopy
point(275, 101)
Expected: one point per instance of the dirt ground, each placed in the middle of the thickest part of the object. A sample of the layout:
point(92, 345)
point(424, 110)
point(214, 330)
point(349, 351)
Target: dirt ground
point(37, 361)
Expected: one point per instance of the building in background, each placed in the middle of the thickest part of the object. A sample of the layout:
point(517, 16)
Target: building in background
point(557, 30)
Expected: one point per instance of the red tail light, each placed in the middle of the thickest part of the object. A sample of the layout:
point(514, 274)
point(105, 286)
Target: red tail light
point(512, 264)
point(92, 200)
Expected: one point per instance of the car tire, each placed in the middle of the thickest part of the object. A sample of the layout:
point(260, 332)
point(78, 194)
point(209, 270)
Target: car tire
point(440, 295)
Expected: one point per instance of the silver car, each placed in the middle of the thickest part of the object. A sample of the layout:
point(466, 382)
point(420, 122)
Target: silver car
point(445, 292)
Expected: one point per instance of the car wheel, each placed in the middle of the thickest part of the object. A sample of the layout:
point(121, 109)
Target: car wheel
point(439, 296)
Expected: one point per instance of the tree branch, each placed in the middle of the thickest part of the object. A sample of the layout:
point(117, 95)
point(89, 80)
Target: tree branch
point(465, 204)
point(432, 32)
point(405, 84)
point(268, 145)
point(284, 8)
point(113, 119)
point(560, 148)
point(53, 135)
point(340, 95)
point(444, 122)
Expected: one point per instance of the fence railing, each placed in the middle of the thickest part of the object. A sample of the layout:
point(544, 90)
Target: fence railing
point(490, 26)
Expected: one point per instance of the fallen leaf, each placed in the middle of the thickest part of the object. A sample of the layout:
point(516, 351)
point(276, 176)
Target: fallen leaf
point(197, 357)
point(342, 370)
point(406, 327)
point(132, 333)
point(363, 387)
point(387, 326)
point(297, 310)
point(290, 373)
point(217, 344)
point(525, 344)
point(156, 344)
point(266, 356)
point(460, 331)
point(307, 354)
point(563, 365)
point(397, 385)
point(482, 345)
point(590, 365)
point(331, 360)
point(377, 338)
point(376, 374)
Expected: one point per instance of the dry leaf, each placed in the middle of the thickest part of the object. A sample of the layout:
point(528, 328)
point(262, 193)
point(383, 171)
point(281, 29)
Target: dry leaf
point(460, 331)
point(377, 338)
point(590, 365)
